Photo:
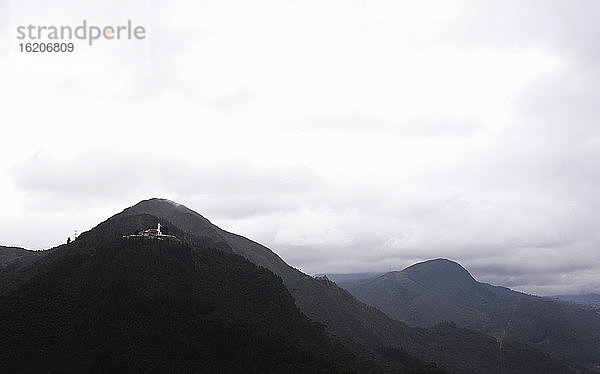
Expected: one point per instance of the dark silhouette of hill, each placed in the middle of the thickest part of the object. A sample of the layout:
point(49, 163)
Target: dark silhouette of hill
point(17, 257)
point(440, 290)
point(17, 266)
point(139, 305)
point(9, 254)
point(68, 288)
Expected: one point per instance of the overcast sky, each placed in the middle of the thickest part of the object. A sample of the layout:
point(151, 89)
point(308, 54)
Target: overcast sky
point(347, 136)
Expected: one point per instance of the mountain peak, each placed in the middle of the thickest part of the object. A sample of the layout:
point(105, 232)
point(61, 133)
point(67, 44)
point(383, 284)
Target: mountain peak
point(439, 273)
point(169, 210)
point(437, 264)
point(191, 222)
point(160, 200)
point(157, 202)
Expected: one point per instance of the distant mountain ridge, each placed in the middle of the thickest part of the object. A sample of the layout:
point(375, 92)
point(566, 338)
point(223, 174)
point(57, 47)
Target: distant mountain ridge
point(365, 330)
point(350, 278)
point(589, 301)
point(588, 298)
point(440, 290)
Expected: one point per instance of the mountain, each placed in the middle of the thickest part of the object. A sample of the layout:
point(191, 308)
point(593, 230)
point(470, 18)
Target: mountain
point(193, 223)
point(140, 305)
point(102, 296)
point(440, 290)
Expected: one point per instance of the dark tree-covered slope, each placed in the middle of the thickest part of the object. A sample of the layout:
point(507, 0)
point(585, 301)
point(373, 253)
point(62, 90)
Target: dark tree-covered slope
point(10, 254)
point(17, 265)
point(441, 290)
point(139, 305)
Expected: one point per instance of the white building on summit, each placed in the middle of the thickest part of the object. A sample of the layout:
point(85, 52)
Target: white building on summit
point(153, 234)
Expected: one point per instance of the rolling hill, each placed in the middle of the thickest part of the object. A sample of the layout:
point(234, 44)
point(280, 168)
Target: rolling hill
point(440, 290)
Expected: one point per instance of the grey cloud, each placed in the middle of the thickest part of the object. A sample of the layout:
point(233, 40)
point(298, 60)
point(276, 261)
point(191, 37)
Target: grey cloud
point(569, 28)
point(420, 127)
point(234, 101)
point(238, 177)
point(233, 189)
